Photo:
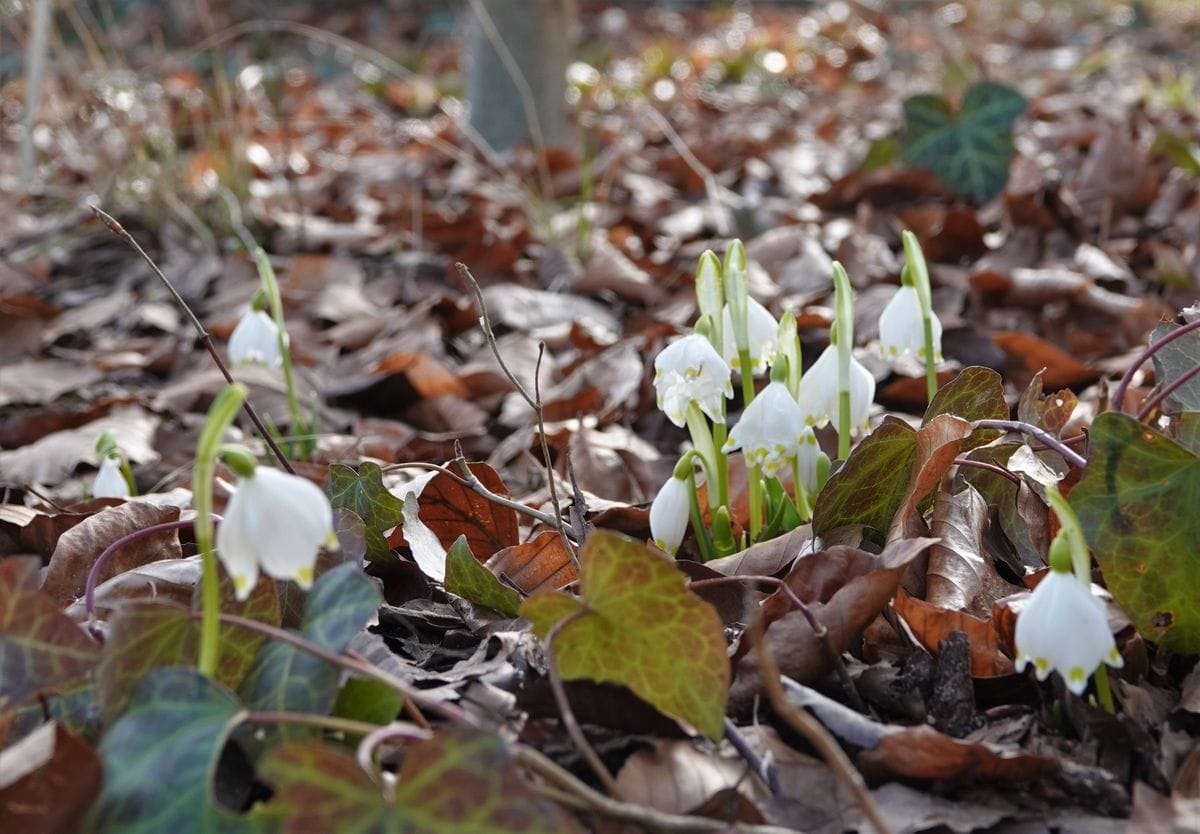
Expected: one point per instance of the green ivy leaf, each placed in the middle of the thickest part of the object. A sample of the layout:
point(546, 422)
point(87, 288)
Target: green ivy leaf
point(869, 487)
point(1172, 361)
point(40, 647)
point(643, 628)
point(364, 494)
point(458, 782)
point(977, 393)
point(159, 757)
point(1137, 503)
point(286, 678)
point(473, 582)
point(969, 151)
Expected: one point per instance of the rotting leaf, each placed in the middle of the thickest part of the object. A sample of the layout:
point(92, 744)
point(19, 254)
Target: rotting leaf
point(869, 487)
point(50, 778)
point(937, 445)
point(451, 510)
point(641, 628)
point(931, 624)
point(475, 583)
point(1135, 501)
point(40, 647)
point(924, 753)
point(364, 494)
point(458, 782)
point(1050, 412)
point(1023, 515)
point(960, 575)
point(539, 564)
point(977, 393)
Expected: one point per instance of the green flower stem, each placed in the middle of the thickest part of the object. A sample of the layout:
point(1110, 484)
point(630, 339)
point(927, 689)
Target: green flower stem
point(703, 539)
point(702, 442)
point(843, 333)
point(220, 416)
point(266, 274)
point(1081, 564)
point(931, 380)
point(756, 501)
point(843, 423)
point(719, 435)
point(802, 505)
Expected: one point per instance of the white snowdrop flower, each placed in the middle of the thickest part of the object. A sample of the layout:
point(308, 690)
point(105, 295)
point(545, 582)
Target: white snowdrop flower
point(819, 391)
point(763, 337)
point(768, 432)
point(109, 482)
point(276, 522)
point(669, 514)
point(689, 370)
point(902, 331)
point(255, 341)
point(1063, 627)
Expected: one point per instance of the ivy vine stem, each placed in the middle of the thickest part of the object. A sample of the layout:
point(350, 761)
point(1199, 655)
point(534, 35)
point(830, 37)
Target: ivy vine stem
point(1118, 396)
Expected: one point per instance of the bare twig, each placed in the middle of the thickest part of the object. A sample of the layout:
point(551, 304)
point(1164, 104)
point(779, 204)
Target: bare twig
point(537, 399)
point(568, 715)
point(1068, 454)
point(1166, 391)
point(1118, 397)
point(534, 403)
point(205, 339)
point(762, 767)
point(719, 197)
point(803, 723)
point(472, 483)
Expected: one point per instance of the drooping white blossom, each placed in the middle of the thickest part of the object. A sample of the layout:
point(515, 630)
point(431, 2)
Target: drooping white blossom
point(763, 337)
point(901, 329)
point(669, 514)
point(819, 391)
point(110, 482)
point(276, 522)
point(1063, 628)
point(255, 341)
point(769, 430)
point(689, 370)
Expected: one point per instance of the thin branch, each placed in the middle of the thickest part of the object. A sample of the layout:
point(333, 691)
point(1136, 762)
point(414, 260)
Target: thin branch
point(803, 723)
point(550, 479)
point(205, 339)
point(1118, 397)
point(720, 198)
point(468, 480)
point(568, 715)
point(761, 766)
point(1167, 390)
point(1068, 454)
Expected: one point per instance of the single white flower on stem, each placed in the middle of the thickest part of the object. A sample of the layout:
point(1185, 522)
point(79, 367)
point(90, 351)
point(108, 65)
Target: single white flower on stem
point(1063, 627)
point(769, 430)
point(276, 522)
point(762, 335)
point(819, 391)
point(689, 370)
point(110, 481)
point(255, 341)
point(669, 514)
point(902, 330)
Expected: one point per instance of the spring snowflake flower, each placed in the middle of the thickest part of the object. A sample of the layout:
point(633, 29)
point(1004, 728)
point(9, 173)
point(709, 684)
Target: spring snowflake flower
point(763, 332)
point(110, 482)
point(1063, 627)
point(819, 391)
point(901, 329)
point(276, 522)
point(669, 514)
point(255, 341)
point(689, 370)
point(769, 430)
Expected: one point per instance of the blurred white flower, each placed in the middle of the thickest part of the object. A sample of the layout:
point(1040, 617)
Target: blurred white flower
point(1063, 627)
point(763, 337)
point(769, 430)
point(819, 391)
point(110, 482)
point(277, 522)
point(255, 341)
point(689, 370)
point(902, 331)
point(669, 514)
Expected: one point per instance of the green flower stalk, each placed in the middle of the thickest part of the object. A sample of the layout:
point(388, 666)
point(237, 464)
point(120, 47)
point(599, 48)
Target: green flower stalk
point(931, 329)
point(266, 274)
point(842, 336)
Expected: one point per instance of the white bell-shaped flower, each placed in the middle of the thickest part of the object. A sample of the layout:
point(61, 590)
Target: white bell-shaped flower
point(689, 370)
point(763, 337)
point(902, 331)
point(1063, 627)
point(669, 514)
point(819, 391)
point(110, 482)
point(276, 522)
point(255, 341)
point(768, 432)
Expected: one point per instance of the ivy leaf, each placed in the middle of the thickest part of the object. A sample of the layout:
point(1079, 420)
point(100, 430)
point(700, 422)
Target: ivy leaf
point(159, 757)
point(40, 647)
point(969, 151)
point(977, 393)
point(869, 487)
point(364, 494)
point(1172, 361)
point(286, 678)
point(475, 583)
point(1136, 501)
point(641, 628)
point(458, 782)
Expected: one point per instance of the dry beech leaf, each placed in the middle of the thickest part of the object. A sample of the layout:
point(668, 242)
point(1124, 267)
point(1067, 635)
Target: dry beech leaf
point(931, 625)
point(450, 510)
point(48, 780)
point(539, 564)
point(1031, 353)
point(677, 777)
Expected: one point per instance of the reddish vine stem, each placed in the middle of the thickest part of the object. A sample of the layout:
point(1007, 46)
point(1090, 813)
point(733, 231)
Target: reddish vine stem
point(1068, 454)
point(1118, 397)
point(365, 752)
point(990, 467)
point(93, 576)
point(205, 339)
point(1167, 390)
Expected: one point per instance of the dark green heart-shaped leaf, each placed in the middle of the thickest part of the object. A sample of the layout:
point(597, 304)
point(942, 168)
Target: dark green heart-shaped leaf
point(364, 494)
point(1137, 501)
point(870, 485)
point(1172, 361)
point(969, 151)
point(977, 393)
point(642, 628)
point(475, 583)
